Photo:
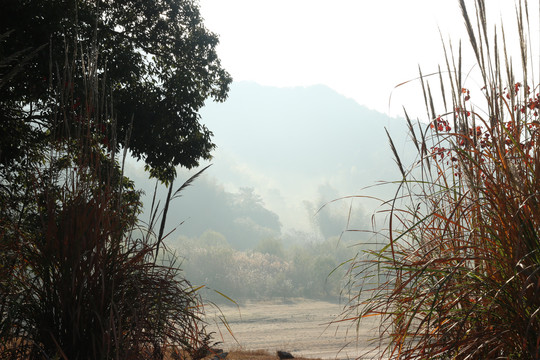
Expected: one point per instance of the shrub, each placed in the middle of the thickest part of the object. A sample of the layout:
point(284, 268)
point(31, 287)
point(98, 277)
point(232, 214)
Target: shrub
point(459, 276)
point(79, 276)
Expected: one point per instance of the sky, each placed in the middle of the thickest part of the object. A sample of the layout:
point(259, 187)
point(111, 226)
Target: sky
point(362, 49)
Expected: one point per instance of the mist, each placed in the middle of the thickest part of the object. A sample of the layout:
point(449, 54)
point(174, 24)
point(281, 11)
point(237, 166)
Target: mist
point(289, 195)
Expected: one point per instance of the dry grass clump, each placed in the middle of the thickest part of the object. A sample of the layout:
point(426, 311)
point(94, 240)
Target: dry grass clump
point(80, 278)
point(240, 354)
point(459, 277)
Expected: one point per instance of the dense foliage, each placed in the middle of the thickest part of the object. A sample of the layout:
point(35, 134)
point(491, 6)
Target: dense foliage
point(241, 217)
point(80, 277)
point(157, 56)
point(273, 270)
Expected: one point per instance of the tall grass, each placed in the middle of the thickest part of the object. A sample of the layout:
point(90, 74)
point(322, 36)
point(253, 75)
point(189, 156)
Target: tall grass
point(80, 278)
point(459, 276)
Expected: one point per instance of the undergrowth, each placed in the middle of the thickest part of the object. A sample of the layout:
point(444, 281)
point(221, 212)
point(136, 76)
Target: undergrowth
point(80, 276)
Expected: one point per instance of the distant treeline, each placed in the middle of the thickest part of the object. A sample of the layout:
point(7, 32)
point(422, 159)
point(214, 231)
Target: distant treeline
point(271, 270)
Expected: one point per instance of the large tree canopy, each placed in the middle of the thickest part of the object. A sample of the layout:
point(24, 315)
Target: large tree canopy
point(156, 55)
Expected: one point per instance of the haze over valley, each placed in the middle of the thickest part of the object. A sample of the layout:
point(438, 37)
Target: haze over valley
point(261, 221)
point(281, 154)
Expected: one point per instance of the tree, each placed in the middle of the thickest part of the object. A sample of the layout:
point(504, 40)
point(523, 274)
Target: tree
point(76, 78)
point(80, 277)
point(271, 246)
point(158, 57)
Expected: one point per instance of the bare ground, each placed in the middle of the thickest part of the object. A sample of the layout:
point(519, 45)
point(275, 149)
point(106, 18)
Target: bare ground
point(305, 328)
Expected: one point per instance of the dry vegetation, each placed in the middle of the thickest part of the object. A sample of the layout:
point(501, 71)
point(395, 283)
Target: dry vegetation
point(235, 354)
point(459, 277)
point(80, 277)
point(241, 354)
point(255, 355)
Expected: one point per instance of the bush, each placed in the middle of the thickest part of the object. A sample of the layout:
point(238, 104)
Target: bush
point(300, 271)
point(79, 277)
point(460, 275)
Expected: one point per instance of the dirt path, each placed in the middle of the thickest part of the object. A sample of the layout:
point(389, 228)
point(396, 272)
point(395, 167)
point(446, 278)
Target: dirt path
point(303, 328)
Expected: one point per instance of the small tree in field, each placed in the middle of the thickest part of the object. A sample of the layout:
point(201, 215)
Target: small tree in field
point(461, 266)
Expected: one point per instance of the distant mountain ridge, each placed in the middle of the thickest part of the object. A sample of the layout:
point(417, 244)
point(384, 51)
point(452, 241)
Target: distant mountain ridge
point(302, 138)
point(285, 125)
point(296, 148)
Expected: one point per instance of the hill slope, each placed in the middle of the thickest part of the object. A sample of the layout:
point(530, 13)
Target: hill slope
point(291, 150)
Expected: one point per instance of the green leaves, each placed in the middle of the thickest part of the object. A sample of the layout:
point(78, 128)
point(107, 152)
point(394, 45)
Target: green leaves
point(77, 280)
point(157, 55)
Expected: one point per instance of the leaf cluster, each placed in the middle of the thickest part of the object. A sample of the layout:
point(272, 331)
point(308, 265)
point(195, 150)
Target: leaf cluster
point(157, 55)
point(79, 277)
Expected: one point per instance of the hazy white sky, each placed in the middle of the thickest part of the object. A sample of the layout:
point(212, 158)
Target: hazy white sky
point(360, 48)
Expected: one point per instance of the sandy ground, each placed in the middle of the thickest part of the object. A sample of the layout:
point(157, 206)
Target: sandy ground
point(303, 328)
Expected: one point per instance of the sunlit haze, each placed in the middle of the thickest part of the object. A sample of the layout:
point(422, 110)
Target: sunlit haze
point(359, 49)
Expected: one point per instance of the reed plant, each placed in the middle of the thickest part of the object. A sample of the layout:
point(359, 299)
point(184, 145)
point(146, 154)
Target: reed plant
point(459, 274)
point(80, 276)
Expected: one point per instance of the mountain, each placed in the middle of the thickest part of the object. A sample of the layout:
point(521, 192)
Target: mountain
point(292, 149)
point(291, 144)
